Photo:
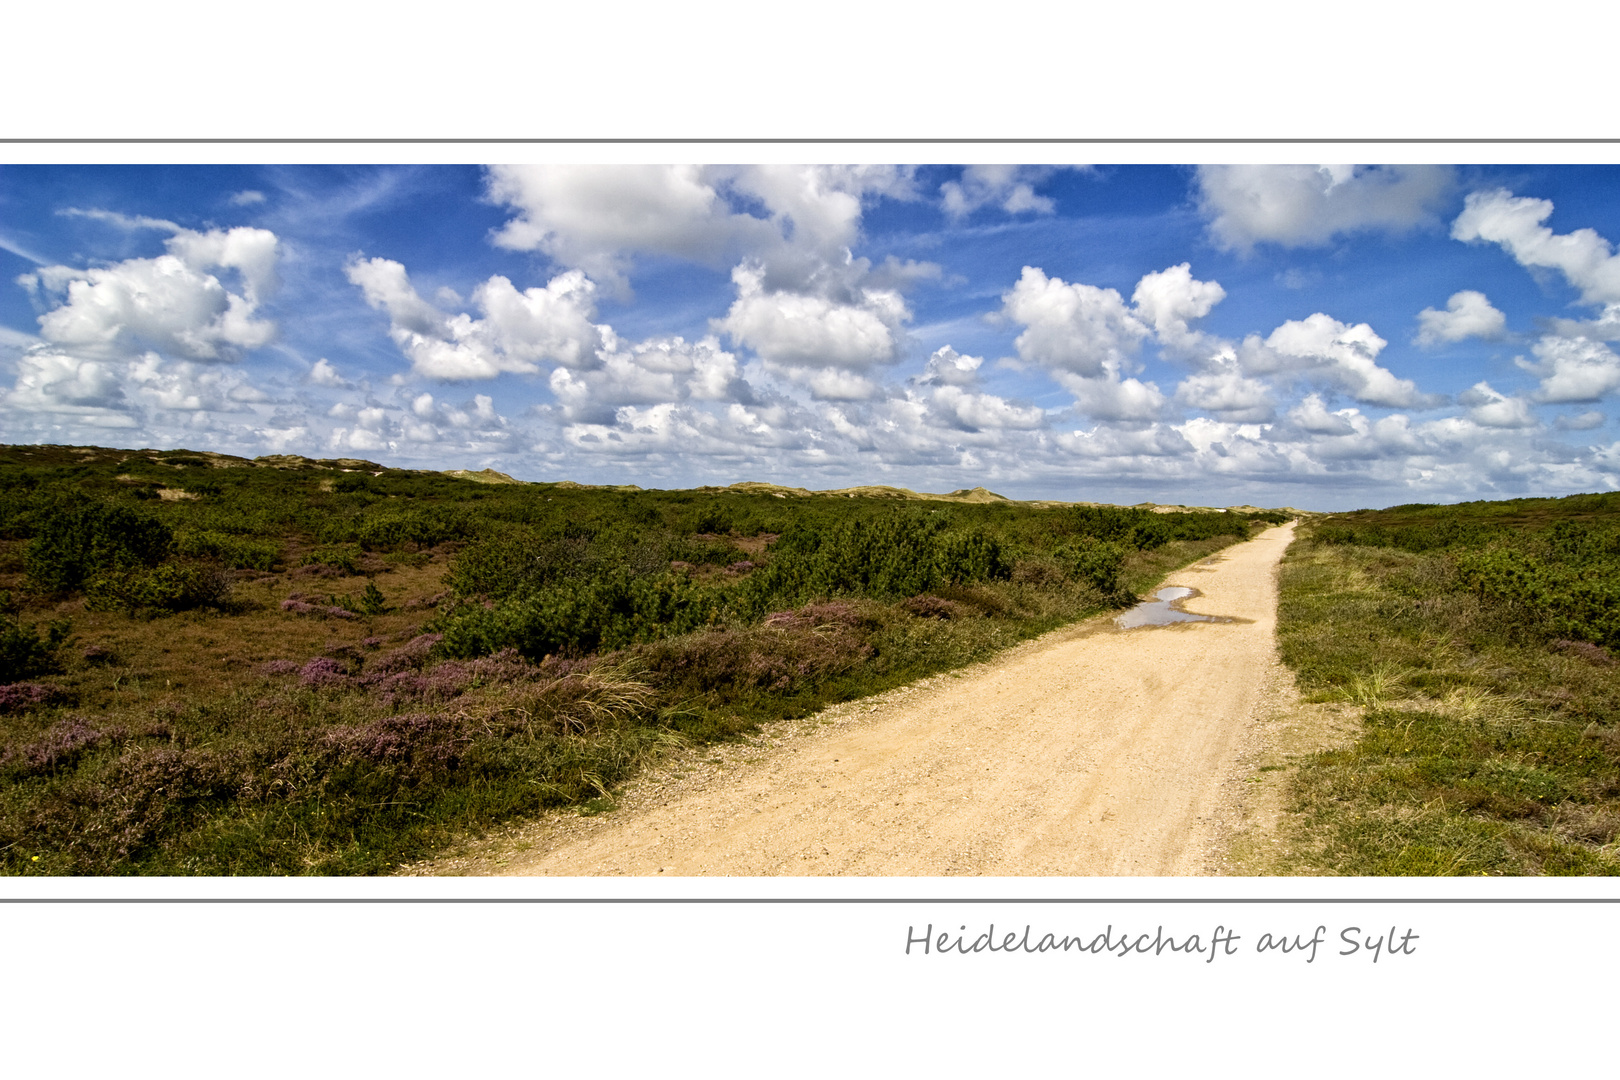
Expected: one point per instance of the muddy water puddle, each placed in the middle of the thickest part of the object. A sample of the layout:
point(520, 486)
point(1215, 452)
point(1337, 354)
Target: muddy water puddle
point(1162, 610)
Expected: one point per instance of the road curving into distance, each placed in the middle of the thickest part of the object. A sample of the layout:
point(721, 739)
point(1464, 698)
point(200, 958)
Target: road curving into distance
point(1092, 750)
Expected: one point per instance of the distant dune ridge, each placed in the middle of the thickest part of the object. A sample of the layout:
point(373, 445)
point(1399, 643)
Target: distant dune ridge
point(482, 476)
point(492, 476)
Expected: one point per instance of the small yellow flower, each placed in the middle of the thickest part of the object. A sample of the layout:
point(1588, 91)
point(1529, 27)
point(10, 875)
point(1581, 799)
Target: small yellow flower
point(36, 858)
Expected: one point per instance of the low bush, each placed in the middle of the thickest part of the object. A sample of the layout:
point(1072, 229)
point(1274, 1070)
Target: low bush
point(299, 604)
point(372, 602)
point(161, 590)
point(344, 558)
point(786, 653)
point(931, 607)
point(390, 529)
point(236, 552)
point(58, 749)
point(23, 652)
point(578, 618)
point(350, 795)
point(15, 697)
point(518, 560)
point(887, 557)
point(70, 545)
point(1552, 593)
point(1097, 563)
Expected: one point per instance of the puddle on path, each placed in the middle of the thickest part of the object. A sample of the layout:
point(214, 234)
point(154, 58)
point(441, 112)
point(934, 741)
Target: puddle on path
point(1162, 612)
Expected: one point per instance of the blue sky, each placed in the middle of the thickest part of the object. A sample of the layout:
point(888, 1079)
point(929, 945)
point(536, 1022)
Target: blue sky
point(1317, 336)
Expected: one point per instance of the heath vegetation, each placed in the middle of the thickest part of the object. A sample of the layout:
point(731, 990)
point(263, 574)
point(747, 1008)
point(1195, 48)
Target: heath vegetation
point(216, 666)
point(1478, 641)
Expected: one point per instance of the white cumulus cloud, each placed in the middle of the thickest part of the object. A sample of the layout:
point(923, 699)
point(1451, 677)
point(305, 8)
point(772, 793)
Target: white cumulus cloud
point(175, 303)
point(1468, 314)
point(324, 374)
point(1112, 397)
point(1573, 370)
point(1169, 299)
point(824, 343)
point(663, 370)
point(53, 381)
point(1308, 205)
point(1228, 394)
point(1586, 259)
point(1344, 356)
point(1011, 187)
point(146, 340)
point(976, 411)
point(1490, 408)
point(1311, 415)
point(519, 331)
point(600, 218)
point(947, 367)
point(1076, 328)
point(1584, 421)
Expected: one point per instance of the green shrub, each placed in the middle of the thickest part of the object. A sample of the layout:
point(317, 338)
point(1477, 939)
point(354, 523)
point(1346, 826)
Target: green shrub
point(344, 557)
point(895, 555)
point(26, 502)
point(1541, 578)
point(24, 653)
point(1416, 538)
point(394, 529)
point(712, 519)
point(581, 617)
point(70, 545)
point(1097, 563)
point(372, 602)
point(1145, 530)
point(518, 560)
point(238, 553)
point(976, 555)
point(1556, 597)
point(164, 589)
point(698, 552)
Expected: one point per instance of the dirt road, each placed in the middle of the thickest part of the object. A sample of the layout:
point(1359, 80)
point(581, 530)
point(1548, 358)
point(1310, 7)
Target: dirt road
point(1093, 750)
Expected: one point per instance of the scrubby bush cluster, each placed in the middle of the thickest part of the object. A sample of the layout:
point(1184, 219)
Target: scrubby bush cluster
point(889, 557)
point(233, 552)
point(25, 652)
point(584, 585)
point(162, 589)
point(1563, 581)
point(388, 529)
point(1548, 568)
point(70, 545)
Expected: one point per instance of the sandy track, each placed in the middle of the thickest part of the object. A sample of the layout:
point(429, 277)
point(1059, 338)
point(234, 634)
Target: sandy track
point(1090, 751)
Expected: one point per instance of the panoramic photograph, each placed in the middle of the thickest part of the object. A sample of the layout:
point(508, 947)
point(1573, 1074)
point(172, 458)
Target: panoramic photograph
point(826, 520)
